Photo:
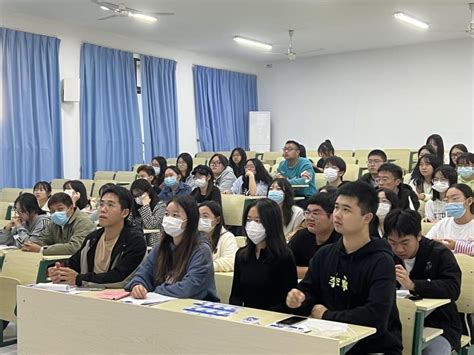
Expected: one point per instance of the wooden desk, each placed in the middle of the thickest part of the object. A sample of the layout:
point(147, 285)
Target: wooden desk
point(423, 309)
point(83, 324)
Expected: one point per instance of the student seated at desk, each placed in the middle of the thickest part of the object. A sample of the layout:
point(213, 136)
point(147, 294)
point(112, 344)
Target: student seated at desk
point(459, 224)
point(27, 224)
point(298, 171)
point(255, 180)
point(223, 243)
point(148, 210)
point(184, 162)
point(281, 192)
point(205, 189)
point(174, 185)
point(388, 201)
point(111, 254)
point(464, 167)
point(391, 177)
point(334, 170)
point(375, 159)
point(353, 279)
point(264, 269)
point(224, 176)
point(318, 233)
point(147, 172)
point(427, 269)
point(443, 177)
point(422, 176)
point(181, 264)
point(42, 191)
point(67, 232)
point(77, 190)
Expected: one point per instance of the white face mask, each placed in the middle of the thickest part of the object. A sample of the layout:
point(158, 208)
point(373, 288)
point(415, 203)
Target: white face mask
point(172, 226)
point(205, 225)
point(441, 186)
point(330, 174)
point(200, 182)
point(383, 210)
point(255, 231)
point(69, 192)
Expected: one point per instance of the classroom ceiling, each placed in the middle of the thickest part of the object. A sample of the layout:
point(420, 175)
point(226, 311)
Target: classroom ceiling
point(207, 26)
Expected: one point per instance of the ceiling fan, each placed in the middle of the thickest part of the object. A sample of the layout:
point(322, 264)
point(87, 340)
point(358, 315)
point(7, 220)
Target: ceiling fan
point(121, 10)
point(290, 52)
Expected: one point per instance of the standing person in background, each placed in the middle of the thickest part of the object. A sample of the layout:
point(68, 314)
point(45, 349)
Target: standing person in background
point(159, 165)
point(224, 176)
point(237, 160)
point(184, 162)
point(205, 189)
point(174, 186)
point(297, 170)
point(455, 152)
point(42, 191)
point(325, 150)
point(148, 210)
point(436, 141)
point(254, 182)
point(375, 159)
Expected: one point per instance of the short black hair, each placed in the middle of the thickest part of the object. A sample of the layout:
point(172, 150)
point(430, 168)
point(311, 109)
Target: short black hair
point(336, 161)
point(391, 196)
point(45, 185)
point(402, 222)
point(224, 161)
point(147, 169)
point(324, 200)
point(379, 153)
point(124, 196)
point(60, 197)
point(465, 158)
point(326, 147)
point(203, 170)
point(366, 195)
point(294, 142)
point(396, 171)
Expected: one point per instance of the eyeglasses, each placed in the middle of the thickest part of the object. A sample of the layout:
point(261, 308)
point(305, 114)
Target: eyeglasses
point(314, 214)
point(288, 149)
point(383, 179)
point(374, 161)
point(456, 155)
point(215, 163)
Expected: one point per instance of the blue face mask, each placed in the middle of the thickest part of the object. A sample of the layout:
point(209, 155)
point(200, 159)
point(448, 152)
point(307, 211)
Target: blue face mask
point(465, 171)
point(59, 218)
point(171, 181)
point(276, 195)
point(455, 209)
point(157, 170)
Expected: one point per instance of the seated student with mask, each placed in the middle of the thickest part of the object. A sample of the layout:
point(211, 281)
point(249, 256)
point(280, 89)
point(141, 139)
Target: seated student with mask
point(353, 280)
point(391, 177)
point(429, 270)
point(181, 264)
point(375, 159)
point(464, 168)
point(334, 170)
point(319, 231)
point(205, 189)
point(111, 254)
point(29, 221)
point(174, 186)
point(67, 232)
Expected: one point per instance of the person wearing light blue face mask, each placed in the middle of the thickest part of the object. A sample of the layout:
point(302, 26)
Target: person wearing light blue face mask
point(67, 232)
point(173, 185)
point(465, 163)
point(459, 223)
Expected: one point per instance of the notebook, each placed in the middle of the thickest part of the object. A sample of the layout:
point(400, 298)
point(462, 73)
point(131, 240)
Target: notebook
point(112, 294)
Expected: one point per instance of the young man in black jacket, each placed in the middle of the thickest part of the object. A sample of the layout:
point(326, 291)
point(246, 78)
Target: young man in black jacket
point(353, 279)
point(428, 269)
point(375, 159)
point(110, 255)
point(391, 177)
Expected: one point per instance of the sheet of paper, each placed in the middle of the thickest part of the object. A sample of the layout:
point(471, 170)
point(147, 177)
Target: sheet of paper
point(7, 247)
point(151, 297)
point(325, 327)
point(403, 293)
point(55, 287)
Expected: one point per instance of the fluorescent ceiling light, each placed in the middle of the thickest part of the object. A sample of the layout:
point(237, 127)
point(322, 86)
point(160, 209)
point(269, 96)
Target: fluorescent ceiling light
point(104, 8)
point(143, 17)
point(411, 20)
point(252, 43)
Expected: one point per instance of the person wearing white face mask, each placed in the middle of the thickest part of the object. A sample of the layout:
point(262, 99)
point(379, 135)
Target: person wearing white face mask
point(264, 269)
point(174, 186)
point(388, 200)
point(148, 210)
point(181, 264)
point(459, 223)
point(204, 182)
point(443, 177)
point(334, 170)
point(223, 243)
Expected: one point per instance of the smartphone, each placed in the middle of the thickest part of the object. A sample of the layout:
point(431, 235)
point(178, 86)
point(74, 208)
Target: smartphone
point(414, 297)
point(291, 320)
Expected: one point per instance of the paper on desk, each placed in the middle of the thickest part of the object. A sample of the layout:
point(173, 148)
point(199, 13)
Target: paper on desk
point(151, 297)
point(7, 247)
point(325, 327)
point(403, 293)
point(55, 287)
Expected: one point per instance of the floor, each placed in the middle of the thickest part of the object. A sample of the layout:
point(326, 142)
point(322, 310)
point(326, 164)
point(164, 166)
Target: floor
point(10, 332)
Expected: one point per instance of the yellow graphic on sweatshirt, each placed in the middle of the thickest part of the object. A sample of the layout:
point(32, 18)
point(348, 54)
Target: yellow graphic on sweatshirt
point(337, 281)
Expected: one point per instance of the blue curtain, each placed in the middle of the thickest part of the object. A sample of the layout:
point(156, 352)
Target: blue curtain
point(160, 113)
point(223, 100)
point(110, 122)
point(30, 121)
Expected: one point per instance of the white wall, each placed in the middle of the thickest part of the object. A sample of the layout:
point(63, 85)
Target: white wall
point(71, 40)
point(392, 97)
